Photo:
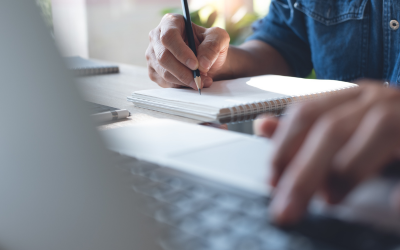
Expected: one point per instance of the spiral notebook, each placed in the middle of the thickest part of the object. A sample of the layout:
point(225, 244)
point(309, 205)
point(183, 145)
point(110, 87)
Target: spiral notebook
point(85, 67)
point(238, 99)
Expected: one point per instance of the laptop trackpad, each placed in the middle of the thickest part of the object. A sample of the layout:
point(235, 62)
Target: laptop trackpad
point(242, 163)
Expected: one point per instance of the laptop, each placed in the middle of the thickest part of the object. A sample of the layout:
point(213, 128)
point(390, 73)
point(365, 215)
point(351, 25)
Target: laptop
point(61, 188)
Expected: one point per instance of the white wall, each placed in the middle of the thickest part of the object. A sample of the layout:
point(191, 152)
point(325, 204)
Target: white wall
point(119, 29)
point(70, 27)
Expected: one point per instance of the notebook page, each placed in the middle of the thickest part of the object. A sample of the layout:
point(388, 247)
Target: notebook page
point(236, 92)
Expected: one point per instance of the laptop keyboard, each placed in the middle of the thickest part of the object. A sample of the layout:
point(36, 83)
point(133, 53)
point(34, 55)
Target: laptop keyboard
point(199, 215)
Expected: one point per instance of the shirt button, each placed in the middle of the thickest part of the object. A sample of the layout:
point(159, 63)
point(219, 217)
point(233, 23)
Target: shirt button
point(386, 84)
point(394, 25)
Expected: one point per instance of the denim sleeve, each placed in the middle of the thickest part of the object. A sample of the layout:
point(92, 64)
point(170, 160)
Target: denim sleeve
point(284, 29)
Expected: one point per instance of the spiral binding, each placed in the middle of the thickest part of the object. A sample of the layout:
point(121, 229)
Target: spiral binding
point(95, 70)
point(275, 107)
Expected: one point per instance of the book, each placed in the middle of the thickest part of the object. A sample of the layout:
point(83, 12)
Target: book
point(85, 67)
point(237, 100)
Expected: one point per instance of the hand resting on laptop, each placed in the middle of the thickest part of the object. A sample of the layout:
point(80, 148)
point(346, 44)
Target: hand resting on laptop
point(331, 145)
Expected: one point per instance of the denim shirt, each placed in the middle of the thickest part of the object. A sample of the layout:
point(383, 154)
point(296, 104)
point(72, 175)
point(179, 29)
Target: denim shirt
point(340, 39)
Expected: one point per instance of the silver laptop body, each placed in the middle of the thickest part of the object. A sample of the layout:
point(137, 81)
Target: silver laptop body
point(57, 189)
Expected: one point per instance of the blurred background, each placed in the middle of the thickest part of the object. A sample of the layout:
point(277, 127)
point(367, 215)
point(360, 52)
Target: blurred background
point(117, 30)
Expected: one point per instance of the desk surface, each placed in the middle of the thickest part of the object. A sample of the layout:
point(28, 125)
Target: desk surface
point(112, 90)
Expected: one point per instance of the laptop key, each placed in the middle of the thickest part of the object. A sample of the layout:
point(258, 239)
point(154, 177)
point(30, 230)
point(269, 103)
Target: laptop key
point(249, 243)
point(199, 192)
point(274, 239)
point(241, 224)
point(229, 202)
point(177, 239)
point(221, 240)
point(205, 220)
point(184, 201)
point(192, 224)
point(256, 208)
point(142, 168)
point(213, 217)
point(156, 190)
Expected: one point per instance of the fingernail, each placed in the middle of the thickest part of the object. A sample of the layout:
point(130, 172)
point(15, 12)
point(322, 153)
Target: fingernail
point(192, 64)
point(285, 210)
point(205, 63)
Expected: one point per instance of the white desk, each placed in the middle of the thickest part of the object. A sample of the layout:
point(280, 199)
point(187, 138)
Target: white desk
point(112, 90)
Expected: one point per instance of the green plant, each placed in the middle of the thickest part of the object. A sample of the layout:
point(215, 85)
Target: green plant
point(238, 26)
point(312, 75)
point(45, 6)
point(195, 16)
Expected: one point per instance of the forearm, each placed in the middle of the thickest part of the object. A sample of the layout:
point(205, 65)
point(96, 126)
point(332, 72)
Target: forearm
point(253, 58)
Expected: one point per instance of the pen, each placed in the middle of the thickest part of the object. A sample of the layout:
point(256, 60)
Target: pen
point(111, 116)
point(192, 45)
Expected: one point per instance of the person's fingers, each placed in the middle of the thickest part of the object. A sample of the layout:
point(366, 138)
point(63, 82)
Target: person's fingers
point(172, 34)
point(170, 56)
point(172, 66)
point(155, 77)
point(343, 179)
point(214, 46)
point(369, 149)
point(396, 153)
point(395, 198)
point(154, 68)
point(309, 169)
point(165, 74)
point(306, 173)
point(293, 129)
point(162, 58)
point(170, 78)
point(207, 81)
point(265, 125)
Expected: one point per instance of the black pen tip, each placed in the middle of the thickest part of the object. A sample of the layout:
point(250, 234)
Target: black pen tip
point(200, 91)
